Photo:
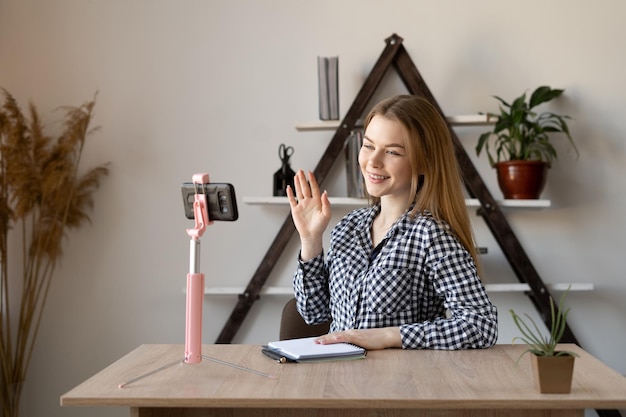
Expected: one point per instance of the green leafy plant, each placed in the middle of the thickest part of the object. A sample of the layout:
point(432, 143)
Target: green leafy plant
point(520, 133)
point(42, 196)
point(538, 343)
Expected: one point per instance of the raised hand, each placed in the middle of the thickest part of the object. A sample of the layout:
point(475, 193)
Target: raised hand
point(310, 210)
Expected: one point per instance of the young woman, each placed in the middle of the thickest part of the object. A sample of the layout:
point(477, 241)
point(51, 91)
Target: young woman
point(402, 273)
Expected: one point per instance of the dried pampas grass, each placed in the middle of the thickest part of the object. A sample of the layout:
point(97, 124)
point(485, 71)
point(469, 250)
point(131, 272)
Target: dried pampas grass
point(42, 196)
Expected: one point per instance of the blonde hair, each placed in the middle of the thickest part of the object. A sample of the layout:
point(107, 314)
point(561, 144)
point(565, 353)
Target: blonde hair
point(436, 176)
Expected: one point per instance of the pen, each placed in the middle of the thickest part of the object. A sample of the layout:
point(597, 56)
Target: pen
point(275, 355)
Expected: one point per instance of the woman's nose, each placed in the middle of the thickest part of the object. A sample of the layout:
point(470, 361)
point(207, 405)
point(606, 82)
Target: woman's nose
point(375, 159)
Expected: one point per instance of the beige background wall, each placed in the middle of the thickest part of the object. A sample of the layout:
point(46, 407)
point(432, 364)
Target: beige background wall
point(207, 85)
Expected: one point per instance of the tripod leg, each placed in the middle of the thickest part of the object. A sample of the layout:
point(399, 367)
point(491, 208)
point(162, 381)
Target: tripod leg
point(169, 365)
point(241, 368)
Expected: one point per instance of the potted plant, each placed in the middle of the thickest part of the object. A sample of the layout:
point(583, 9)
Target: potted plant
point(552, 367)
point(42, 196)
point(521, 143)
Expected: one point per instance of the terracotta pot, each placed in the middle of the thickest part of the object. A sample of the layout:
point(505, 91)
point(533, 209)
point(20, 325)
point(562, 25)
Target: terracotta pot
point(553, 374)
point(522, 179)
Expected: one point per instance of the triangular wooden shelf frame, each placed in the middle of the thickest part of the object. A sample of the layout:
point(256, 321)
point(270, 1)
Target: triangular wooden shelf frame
point(396, 55)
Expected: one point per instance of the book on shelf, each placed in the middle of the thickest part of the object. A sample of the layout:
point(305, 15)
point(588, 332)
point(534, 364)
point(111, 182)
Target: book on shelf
point(355, 181)
point(328, 87)
point(307, 350)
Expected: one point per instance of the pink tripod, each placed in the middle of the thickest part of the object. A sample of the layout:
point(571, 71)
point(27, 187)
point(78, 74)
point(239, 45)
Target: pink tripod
point(195, 289)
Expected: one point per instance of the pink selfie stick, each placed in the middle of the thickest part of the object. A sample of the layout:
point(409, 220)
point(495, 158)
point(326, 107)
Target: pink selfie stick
point(195, 279)
point(195, 290)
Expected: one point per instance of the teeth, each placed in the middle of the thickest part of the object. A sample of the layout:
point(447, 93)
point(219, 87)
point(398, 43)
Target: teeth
point(378, 177)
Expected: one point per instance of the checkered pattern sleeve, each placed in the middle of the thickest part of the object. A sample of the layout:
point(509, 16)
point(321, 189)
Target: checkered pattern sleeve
point(310, 284)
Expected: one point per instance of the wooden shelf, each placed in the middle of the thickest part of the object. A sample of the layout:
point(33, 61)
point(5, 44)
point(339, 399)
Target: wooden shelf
point(318, 125)
point(463, 120)
point(491, 288)
point(473, 202)
point(269, 200)
point(347, 201)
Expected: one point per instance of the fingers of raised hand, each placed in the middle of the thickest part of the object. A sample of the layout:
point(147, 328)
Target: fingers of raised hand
point(314, 186)
point(302, 187)
point(306, 188)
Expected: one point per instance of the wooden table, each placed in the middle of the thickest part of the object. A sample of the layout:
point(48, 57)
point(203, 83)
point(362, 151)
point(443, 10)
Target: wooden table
point(387, 383)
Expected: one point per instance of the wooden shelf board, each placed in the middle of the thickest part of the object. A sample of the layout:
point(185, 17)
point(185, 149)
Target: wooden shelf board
point(473, 202)
point(317, 125)
point(461, 120)
point(347, 201)
point(491, 288)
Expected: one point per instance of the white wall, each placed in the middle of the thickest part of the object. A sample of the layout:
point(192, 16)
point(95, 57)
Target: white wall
point(191, 86)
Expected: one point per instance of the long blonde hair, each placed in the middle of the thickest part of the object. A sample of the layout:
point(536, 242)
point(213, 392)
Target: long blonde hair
point(435, 174)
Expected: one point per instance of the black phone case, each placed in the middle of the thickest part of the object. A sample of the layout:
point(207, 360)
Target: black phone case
point(221, 200)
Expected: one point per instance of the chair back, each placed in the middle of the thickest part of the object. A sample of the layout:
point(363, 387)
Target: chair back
point(293, 326)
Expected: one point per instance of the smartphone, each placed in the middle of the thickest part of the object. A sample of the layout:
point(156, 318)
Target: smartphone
point(220, 197)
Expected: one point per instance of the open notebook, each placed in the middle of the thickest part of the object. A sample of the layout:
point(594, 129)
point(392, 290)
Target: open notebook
point(306, 350)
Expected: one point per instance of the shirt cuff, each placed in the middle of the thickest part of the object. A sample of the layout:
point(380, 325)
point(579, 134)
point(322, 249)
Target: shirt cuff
point(311, 263)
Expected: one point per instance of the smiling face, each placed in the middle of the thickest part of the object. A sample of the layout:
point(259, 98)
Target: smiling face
point(384, 159)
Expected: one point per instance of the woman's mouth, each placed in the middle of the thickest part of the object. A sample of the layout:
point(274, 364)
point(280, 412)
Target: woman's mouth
point(377, 178)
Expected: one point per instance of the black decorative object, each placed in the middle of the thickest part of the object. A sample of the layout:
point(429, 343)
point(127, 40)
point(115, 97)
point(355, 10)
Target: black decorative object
point(284, 176)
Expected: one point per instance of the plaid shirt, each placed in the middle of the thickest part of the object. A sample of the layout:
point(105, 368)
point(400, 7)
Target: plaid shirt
point(419, 278)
